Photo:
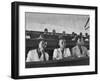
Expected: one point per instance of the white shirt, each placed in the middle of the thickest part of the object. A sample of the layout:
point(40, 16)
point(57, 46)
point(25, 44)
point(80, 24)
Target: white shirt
point(33, 56)
point(57, 54)
point(76, 51)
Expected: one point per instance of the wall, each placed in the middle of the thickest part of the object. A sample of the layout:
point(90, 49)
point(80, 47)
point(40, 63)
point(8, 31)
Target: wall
point(5, 40)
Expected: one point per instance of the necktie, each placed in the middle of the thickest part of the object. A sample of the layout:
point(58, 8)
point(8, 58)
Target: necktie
point(62, 51)
point(44, 58)
point(80, 49)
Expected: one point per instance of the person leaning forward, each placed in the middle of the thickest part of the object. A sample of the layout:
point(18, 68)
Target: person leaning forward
point(38, 54)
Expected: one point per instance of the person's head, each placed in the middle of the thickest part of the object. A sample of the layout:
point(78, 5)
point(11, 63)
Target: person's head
point(80, 41)
point(42, 44)
point(86, 34)
point(81, 34)
point(45, 31)
point(64, 33)
point(54, 31)
point(62, 43)
point(73, 33)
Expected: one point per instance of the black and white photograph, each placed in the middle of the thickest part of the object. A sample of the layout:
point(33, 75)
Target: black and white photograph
point(56, 39)
point(51, 40)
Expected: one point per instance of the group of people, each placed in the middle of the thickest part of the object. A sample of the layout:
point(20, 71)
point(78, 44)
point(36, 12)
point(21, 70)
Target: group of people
point(39, 54)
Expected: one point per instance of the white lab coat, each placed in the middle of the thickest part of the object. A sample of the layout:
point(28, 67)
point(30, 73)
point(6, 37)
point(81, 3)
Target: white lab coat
point(57, 54)
point(76, 51)
point(33, 56)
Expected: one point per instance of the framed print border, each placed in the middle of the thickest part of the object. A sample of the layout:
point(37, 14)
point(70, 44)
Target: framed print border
point(15, 39)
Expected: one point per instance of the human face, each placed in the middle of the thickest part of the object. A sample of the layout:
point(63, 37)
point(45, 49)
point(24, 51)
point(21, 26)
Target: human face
point(62, 43)
point(42, 44)
point(80, 42)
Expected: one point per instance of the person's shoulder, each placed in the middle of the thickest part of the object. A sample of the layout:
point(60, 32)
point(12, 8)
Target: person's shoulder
point(66, 48)
point(32, 51)
point(73, 48)
point(84, 48)
point(56, 49)
point(46, 53)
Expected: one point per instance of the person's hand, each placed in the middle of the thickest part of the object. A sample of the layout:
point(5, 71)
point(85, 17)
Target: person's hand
point(42, 51)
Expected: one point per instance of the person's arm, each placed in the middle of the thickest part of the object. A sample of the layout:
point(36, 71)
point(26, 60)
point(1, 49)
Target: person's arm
point(73, 52)
point(28, 57)
point(68, 52)
point(47, 56)
point(86, 52)
point(54, 54)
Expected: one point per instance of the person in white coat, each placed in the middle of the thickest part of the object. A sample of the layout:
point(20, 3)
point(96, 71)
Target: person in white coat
point(80, 50)
point(38, 54)
point(62, 51)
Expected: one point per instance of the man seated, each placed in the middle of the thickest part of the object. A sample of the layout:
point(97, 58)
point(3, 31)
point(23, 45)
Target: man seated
point(62, 51)
point(79, 50)
point(38, 54)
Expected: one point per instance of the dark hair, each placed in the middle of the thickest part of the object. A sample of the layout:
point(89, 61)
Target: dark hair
point(45, 30)
point(79, 38)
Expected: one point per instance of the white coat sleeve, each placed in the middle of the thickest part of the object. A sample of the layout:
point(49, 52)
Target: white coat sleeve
point(29, 56)
point(68, 52)
point(47, 56)
point(55, 54)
